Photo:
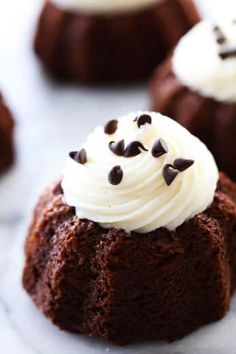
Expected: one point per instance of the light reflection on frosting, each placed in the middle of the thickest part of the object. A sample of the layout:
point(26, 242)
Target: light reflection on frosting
point(104, 6)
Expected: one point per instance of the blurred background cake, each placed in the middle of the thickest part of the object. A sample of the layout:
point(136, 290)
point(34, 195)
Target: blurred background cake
point(137, 241)
point(6, 136)
point(197, 87)
point(94, 41)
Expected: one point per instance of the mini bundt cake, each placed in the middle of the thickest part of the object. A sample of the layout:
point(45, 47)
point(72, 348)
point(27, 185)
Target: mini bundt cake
point(6, 136)
point(104, 41)
point(138, 240)
point(197, 87)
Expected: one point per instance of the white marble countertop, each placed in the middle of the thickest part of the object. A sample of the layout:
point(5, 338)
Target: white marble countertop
point(51, 120)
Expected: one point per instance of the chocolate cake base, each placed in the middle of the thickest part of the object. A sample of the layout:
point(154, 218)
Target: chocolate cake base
point(6, 137)
point(212, 121)
point(117, 48)
point(125, 287)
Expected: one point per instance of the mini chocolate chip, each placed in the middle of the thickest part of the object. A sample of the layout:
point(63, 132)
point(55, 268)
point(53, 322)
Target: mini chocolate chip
point(159, 148)
point(111, 127)
point(118, 148)
point(226, 53)
point(134, 149)
point(115, 175)
point(72, 154)
point(143, 119)
point(79, 156)
point(182, 164)
point(220, 37)
point(169, 173)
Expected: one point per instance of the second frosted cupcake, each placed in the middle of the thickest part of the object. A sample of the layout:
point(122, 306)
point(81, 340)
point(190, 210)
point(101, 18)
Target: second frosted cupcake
point(197, 87)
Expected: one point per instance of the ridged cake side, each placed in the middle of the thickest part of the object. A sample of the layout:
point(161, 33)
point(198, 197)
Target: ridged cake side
point(130, 287)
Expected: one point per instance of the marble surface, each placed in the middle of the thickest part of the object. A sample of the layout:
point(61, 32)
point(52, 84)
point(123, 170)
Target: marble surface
point(51, 120)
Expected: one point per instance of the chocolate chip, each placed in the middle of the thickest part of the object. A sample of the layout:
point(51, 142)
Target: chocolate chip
point(169, 173)
point(220, 37)
point(143, 119)
point(182, 164)
point(159, 148)
point(111, 127)
point(134, 149)
point(226, 53)
point(115, 175)
point(118, 148)
point(79, 156)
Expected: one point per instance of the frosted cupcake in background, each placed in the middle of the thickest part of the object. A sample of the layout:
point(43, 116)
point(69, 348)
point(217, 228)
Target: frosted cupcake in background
point(100, 41)
point(138, 240)
point(197, 87)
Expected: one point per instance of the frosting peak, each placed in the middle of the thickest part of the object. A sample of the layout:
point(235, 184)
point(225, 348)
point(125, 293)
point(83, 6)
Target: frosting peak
point(169, 177)
point(104, 6)
point(205, 60)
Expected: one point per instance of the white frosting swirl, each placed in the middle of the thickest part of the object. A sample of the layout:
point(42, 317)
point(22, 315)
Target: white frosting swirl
point(197, 64)
point(142, 202)
point(104, 6)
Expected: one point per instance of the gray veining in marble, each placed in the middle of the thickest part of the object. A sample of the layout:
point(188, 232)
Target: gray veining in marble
point(51, 120)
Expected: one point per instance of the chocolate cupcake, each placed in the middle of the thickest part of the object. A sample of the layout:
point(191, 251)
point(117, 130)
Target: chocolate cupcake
point(6, 137)
point(102, 41)
point(138, 240)
point(197, 87)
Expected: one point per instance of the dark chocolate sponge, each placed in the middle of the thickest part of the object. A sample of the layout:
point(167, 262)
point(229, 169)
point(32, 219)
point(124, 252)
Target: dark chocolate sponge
point(132, 287)
point(115, 48)
point(6, 136)
point(212, 121)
